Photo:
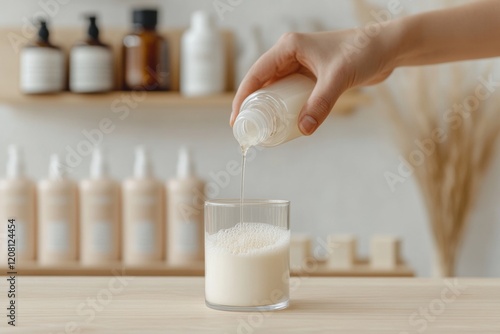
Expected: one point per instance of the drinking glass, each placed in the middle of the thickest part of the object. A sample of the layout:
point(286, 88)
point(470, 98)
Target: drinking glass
point(247, 248)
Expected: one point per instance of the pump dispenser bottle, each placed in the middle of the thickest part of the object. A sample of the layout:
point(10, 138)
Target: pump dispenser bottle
point(269, 117)
point(143, 220)
point(57, 216)
point(17, 201)
point(42, 65)
point(99, 214)
point(91, 63)
point(185, 200)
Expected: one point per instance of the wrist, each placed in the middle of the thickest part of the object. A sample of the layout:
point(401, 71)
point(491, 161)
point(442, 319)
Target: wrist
point(401, 39)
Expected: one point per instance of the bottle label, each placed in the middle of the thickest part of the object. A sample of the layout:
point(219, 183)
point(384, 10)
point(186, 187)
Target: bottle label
point(42, 70)
point(58, 236)
point(21, 241)
point(144, 237)
point(187, 240)
point(91, 69)
point(101, 238)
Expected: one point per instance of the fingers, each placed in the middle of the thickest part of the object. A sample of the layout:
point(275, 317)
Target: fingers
point(278, 62)
point(318, 106)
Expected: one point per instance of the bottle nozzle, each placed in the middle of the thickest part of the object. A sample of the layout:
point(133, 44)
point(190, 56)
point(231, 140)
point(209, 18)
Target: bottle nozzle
point(252, 127)
point(56, 169)
point(98, 164)
point(185, 166)
point(142, 166)
point(43, 31)
point(15, 163)
point(93, 31)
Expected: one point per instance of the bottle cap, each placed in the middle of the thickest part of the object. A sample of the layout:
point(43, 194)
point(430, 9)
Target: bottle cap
point(202, 20)
point(93, 31)
point(43, 32)
point(185, 165)
point(147, 18)
point(15, 163)
point(56, 169)
point(142, 165)
point(98, 164)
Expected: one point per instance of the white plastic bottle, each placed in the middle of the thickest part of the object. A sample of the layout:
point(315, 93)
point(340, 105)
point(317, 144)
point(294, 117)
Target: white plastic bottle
point(185, 198)
point(143, 217)
point(17, 201)
point(100, 237)
point(269, 117)
point(202, 57)
point(57, 217)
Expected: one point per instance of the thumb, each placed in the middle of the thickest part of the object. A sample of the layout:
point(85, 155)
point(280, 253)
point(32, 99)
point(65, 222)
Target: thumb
point(318, 106)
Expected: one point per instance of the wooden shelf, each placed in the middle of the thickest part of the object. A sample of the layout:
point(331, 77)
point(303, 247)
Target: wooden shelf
point(65, 38)
point(346, 104)
point(361, 269)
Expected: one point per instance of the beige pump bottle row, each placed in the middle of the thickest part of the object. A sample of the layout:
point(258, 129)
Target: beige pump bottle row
point(17, 201)
point(143, 216)
point(99, 215)
point(185, 233)
point(57, 217)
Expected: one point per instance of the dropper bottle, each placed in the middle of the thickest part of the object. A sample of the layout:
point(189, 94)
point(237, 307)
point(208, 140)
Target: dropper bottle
point(269, 117)
point(99, 214)
point(143, 216)
point(57, 216)
point(17, 201)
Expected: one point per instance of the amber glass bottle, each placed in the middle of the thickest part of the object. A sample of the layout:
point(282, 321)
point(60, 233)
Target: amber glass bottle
point(145, 55)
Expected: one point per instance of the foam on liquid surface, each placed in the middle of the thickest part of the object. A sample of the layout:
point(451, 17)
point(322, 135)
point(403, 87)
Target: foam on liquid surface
point(248, 238)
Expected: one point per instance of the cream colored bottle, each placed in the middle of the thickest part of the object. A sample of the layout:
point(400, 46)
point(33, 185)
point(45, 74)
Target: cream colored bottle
point(17, 201)
point(185, 233)
point(143, 217)
point(57, 217)
point(100, 238)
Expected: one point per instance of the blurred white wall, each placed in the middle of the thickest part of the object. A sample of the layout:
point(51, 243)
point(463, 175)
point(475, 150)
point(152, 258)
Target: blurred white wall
point(334, 179)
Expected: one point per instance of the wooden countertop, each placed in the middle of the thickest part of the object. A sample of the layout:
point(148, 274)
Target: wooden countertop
point(319, 305)
point(360, 269)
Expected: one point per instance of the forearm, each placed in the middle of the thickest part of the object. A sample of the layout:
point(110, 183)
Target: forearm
point(466, 32)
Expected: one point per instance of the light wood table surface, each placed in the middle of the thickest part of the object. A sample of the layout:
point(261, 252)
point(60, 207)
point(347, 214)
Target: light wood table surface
point(360, 269)
point(319, 305)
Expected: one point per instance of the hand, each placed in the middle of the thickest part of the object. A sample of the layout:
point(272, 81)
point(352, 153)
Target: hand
point(332, 58)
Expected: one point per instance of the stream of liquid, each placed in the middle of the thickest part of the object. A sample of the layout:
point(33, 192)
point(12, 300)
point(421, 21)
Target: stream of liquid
point(244, 151)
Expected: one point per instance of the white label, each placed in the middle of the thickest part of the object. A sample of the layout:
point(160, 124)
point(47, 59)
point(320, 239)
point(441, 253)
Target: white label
point(187, 241)
point(101, 237)
point(21, 236)
point(144, 237)
point(91, 69)
point(58, 236)
point(16, 200)
point(42, 70)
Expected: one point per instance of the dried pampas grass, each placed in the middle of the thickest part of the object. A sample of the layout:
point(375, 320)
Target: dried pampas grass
point(462, 130)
